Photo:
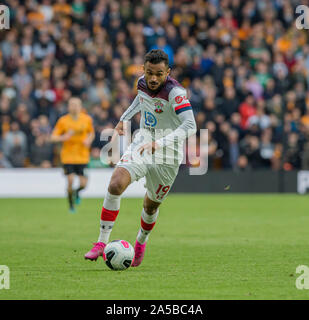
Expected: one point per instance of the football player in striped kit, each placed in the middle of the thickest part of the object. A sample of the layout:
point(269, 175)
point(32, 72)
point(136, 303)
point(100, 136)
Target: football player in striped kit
point(156, 152)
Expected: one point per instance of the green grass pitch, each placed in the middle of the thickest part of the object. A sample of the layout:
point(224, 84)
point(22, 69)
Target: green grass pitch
point(202, 247)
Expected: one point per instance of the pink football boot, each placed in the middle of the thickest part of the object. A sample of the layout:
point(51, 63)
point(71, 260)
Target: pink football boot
point(139, 254)
point(96, 251)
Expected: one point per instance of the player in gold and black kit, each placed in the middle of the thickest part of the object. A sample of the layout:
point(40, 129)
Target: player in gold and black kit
point(75, 131)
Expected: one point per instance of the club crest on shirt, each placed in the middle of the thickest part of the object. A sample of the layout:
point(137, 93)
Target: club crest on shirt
point(158, 107)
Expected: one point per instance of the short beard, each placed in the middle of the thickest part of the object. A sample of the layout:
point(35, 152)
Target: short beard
point(157, 90)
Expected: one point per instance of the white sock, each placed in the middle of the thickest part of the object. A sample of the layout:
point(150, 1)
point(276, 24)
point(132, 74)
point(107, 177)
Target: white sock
point(105, 231)
point(147, 223)
point(110, 210)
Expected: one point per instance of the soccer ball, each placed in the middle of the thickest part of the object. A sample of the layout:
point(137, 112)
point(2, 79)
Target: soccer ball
point(119, 254)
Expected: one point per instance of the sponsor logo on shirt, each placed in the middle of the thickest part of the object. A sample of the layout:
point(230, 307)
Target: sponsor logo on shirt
point(179, 99)
point(150, 119)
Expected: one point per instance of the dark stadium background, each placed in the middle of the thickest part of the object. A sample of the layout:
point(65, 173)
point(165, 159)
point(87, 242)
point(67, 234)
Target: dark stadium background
point(244, 63)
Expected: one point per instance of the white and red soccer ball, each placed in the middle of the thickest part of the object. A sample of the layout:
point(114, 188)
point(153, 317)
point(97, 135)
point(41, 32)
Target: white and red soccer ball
point(119, 254)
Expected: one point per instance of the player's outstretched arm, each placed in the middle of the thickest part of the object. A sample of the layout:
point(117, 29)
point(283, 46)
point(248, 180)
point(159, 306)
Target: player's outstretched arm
point(183, 110)
point(127, 115)
point(120, 128)
point(186, 129)
point(133, 109)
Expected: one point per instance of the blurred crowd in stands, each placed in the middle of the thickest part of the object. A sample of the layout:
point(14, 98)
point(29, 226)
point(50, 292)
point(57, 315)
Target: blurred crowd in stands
point(244, 64)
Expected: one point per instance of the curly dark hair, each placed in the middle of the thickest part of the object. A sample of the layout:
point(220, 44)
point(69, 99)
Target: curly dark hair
point(156, 56)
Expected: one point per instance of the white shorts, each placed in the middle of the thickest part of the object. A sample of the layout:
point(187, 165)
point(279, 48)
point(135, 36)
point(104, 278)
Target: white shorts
point(159, 177)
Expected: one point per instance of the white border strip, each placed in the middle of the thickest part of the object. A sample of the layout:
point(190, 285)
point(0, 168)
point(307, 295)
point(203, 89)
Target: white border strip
point(51, 183)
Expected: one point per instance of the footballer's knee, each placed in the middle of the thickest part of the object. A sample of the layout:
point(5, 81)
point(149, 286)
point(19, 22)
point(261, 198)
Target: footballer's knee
point(119, 181)
point(115, 187)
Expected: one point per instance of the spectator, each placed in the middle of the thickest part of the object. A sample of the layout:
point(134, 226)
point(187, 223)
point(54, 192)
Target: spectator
point(44, 47)
point(158, 7)
point(41, 152)
point(193, 48)
point(230, 103)
point(161, 44)
point(22, 78)
point(242, 163)
point(14, 142)
point(292, 158)
point(245, 69)
point(261, 119)
point(267, 148)
point(233, 148)
point(247, 110)
point(17, 153)
point(4, 162)
point(253, 153)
